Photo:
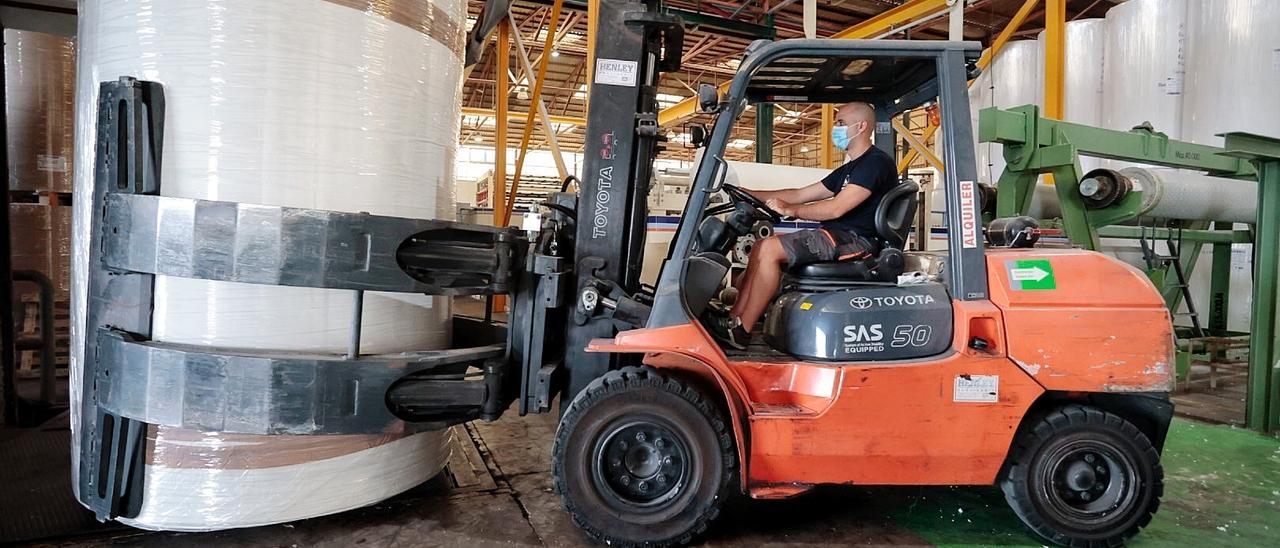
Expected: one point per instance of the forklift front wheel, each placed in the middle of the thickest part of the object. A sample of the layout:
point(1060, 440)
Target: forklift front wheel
point(643, 459)
point(1083, 477)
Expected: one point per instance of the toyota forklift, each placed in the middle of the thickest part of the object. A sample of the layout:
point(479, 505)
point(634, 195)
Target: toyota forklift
point(1045, 371)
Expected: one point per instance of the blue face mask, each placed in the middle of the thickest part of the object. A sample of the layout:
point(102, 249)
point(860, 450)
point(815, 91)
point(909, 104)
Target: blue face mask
point(840, 137)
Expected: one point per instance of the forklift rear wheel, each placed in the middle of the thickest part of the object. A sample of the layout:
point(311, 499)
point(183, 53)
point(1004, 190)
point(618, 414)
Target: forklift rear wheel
point(1084, 477)
point(643, 459)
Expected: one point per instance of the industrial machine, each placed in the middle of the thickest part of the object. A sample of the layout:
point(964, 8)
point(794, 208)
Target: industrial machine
point(1042, 370)
point(1179, 197)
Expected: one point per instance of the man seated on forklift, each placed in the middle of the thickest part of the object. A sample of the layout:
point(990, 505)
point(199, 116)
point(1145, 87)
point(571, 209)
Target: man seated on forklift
point(844, 202)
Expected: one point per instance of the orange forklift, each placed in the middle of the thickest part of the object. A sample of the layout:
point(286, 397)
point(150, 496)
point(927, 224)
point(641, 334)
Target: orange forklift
point(1044, 371)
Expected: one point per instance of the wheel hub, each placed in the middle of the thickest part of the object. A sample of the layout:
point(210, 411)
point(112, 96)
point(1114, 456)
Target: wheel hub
point(642, 463)
point(1088, 482)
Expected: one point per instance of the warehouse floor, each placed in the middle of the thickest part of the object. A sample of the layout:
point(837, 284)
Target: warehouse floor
point(1222, 485)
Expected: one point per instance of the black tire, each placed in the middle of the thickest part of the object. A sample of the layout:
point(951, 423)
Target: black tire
point(633, 428)
point(1080, 476)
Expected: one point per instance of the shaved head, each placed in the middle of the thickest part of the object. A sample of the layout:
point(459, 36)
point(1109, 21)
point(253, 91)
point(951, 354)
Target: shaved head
point(860, 119)
point(852, 113)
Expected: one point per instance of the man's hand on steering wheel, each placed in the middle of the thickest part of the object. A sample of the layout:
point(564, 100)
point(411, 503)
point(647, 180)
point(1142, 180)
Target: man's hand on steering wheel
point(784, 208)
point(738, 195)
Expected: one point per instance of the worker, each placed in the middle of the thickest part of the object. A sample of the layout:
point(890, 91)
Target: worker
point(844, 202)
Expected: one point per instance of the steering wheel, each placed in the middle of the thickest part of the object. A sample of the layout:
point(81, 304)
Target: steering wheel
point(736, 194)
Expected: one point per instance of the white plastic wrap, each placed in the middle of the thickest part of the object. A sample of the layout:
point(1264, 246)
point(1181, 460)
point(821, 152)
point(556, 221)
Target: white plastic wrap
point(1233, 74)
point(1013, 79)
point(348, 105)
point(39, 72)
point(1144, 70)
point(1083, 70)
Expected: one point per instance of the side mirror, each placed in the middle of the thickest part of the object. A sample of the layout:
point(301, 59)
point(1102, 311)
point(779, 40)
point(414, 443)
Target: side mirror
point(708, 99)
point(698, 135)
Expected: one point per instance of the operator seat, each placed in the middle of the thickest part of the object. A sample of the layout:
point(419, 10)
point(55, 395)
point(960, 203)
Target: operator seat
point(894, 216)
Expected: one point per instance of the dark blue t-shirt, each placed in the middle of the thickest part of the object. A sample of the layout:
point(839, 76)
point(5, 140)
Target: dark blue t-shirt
point(876, 171)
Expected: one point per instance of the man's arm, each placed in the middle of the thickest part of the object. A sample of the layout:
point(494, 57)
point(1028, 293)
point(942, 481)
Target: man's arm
point(849, 197)
point(802, 195)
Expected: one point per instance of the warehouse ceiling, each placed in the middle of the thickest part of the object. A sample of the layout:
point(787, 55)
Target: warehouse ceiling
point(711, 52)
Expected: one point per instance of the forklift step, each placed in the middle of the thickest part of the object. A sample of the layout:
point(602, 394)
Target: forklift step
point(782, 410)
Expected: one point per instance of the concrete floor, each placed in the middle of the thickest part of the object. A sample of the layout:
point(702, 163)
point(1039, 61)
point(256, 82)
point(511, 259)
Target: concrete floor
point(1223, 485)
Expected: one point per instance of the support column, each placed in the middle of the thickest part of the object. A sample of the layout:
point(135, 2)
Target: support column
point(828, 149)
point(764, 133)
point(501, 88)
point(1262, 409)
point(1055, 45)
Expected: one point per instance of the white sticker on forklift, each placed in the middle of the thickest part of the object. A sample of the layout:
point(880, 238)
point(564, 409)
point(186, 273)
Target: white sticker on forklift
point(616, 72)
point(969, 221)
point(976, 388)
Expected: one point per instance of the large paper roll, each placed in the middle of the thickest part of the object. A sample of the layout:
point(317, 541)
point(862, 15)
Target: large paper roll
point(347, 105)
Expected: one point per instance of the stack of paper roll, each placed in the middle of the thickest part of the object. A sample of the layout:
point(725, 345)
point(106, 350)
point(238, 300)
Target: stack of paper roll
point(1233, 74)
point(347, 105)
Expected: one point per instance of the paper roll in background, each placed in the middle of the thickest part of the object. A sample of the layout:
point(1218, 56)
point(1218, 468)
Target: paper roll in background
point(347, 105)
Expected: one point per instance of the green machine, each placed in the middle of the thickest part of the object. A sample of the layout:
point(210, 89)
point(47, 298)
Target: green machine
point(1240, 184)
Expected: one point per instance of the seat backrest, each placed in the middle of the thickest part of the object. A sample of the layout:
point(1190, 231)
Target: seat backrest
point(896, 213)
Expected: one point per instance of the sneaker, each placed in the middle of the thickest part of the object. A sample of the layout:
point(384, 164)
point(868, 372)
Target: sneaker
point(727, 329)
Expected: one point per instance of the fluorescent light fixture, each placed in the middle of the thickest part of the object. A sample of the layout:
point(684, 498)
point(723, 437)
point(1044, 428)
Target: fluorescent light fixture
point(740, 143)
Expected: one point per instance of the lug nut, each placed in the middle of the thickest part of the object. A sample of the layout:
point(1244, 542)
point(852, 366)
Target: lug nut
point(662, 479)
point(615, 463)
point(626, 480)
point(640, 436)
point(659, 443)
point(667, 461)
point(644, 486)
point(1085, 496)
point(622, 444)
point(1089, 458)
point(1100, 470)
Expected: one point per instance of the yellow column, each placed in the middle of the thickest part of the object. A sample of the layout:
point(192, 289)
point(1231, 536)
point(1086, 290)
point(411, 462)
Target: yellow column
point(1055, 39)
point(499, 190)
point(593, 22)
point(827, 153)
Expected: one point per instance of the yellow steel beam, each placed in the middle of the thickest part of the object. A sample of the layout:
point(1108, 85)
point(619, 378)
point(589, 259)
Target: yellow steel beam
point(555, 119)
point(1014, 24)
point(535, 95)
point(499, 181)
point(828, 149)
point(1055, 25)
point(910, 155)
point(593, 24)
point(875, 26)
point(918, 145)
point(892, 19)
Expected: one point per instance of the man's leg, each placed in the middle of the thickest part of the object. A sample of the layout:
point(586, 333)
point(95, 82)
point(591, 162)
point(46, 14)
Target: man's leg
point(764, 273)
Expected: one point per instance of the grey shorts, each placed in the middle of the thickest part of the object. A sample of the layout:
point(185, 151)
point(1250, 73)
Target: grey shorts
point(823, 245)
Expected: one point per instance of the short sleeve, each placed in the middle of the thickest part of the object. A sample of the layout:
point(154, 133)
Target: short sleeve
point(867, 174)
point(836, 180)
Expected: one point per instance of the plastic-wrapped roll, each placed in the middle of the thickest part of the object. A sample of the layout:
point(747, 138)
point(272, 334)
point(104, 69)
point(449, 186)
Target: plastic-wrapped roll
point(1015, 79)
point(772, 176)
point(1144, 66)
point(40, 75)
point(1083, 66)
point(1233, 69)
point(347, 105)
point(1233, 72)
point(1177, 194)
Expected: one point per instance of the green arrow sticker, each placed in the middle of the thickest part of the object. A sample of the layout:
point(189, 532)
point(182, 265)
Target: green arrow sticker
point(1031, 275)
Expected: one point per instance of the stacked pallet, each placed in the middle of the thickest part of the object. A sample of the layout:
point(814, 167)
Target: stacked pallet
point(39, 92)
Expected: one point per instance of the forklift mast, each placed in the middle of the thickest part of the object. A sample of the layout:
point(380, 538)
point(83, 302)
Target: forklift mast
point(634, 45)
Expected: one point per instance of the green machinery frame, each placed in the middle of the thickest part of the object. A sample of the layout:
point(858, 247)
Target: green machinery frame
point(1033, 145)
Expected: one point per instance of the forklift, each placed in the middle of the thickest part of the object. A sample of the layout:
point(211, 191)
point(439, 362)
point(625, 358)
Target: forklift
point(1044, 371)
